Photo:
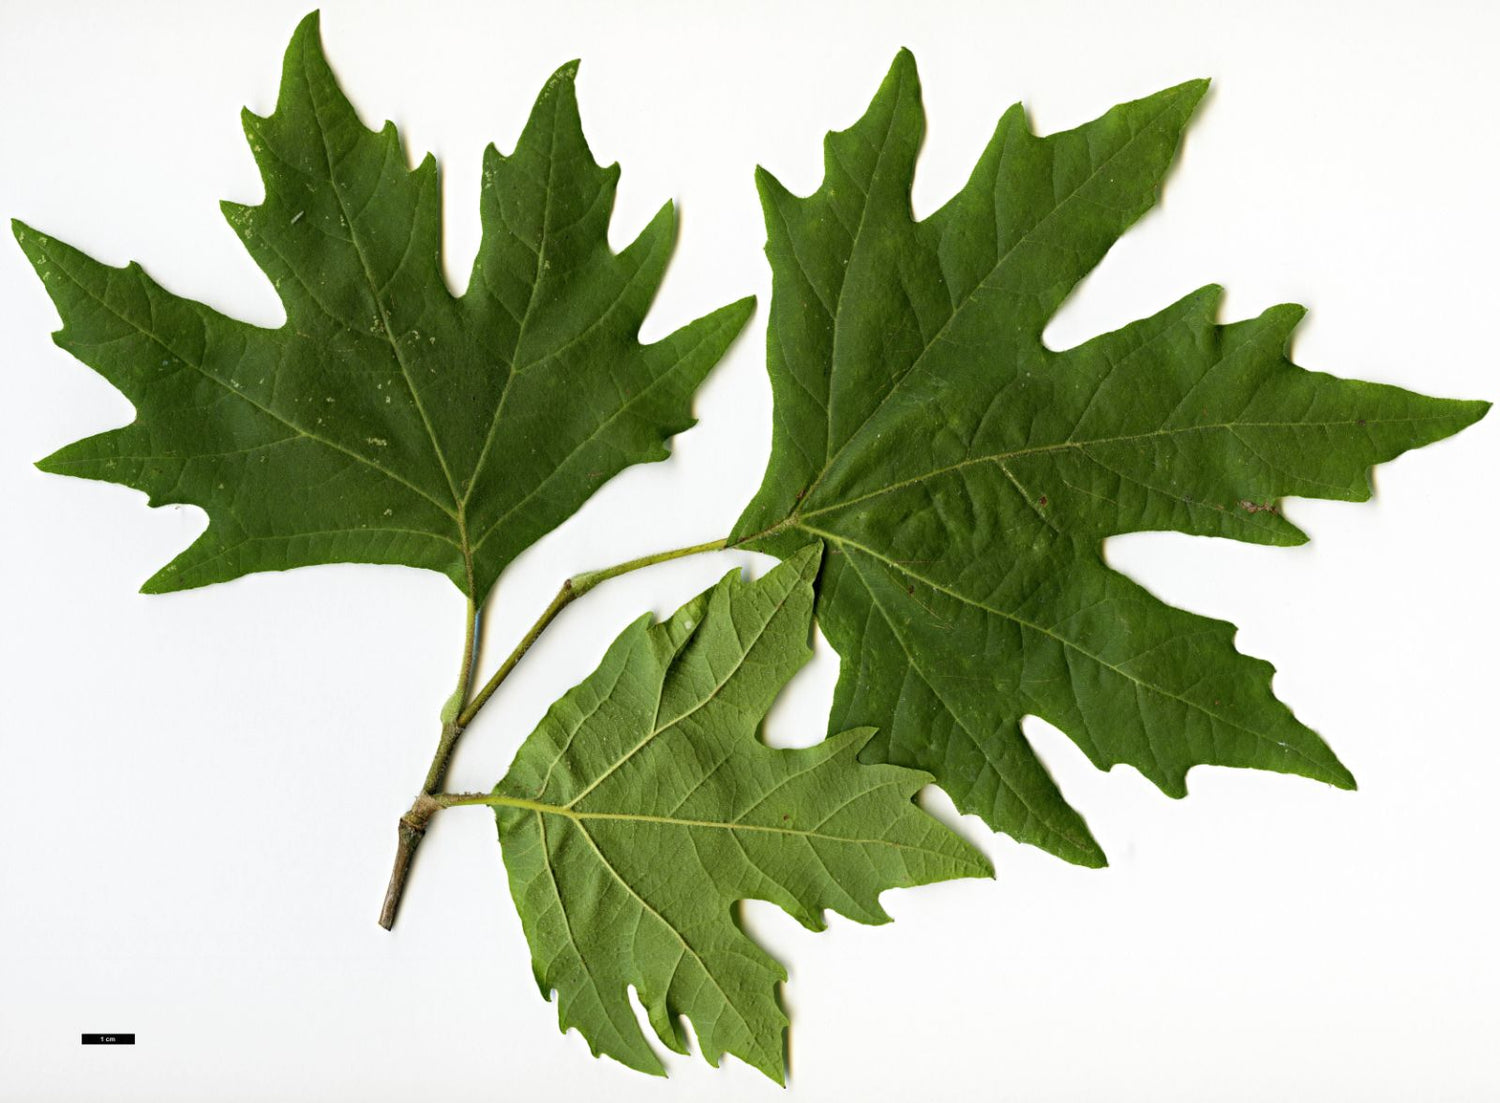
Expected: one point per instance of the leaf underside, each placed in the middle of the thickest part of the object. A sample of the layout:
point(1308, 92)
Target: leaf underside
point(647, 806)
point(388, 421)
point(963, 476)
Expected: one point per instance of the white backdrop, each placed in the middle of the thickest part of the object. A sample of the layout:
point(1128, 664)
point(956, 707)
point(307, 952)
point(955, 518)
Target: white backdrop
point(200, 790)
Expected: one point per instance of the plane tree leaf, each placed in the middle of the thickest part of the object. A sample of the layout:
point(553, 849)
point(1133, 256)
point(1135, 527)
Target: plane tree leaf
point(644, 806)
point(939, 489)
point(963, 475)
point(388, 421)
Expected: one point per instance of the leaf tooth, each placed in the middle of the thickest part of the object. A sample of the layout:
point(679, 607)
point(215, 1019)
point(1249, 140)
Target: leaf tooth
point(895, 119)
point(1282, 319)
point(240, 216)
point(770, 188)
point(804, 564)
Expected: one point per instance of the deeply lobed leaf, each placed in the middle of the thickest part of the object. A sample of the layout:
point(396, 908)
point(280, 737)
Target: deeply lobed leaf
point(388, 421)
point(964, 476)
point(644, 806)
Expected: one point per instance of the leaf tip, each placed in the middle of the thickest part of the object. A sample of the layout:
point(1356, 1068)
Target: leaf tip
point(563, 79)
point(309, 27)
point(1172, 786)
point(901, 89)
point(32, 243)
point(768, 187)
point(1203, 304)
point(654, 1067)
point(773, 1066)
point(904, 64)
point(1014, 117)
point(304, 59)
point(663, 224)
point(1285, 316)
point(1340, 778)
point(974, 862)
point(235, 214)
point(554, 115)
point(1471, 410)
point(739, 311)
point(1190, 93)
point(1075, 845)
point(805, 562)
point(1178, 103)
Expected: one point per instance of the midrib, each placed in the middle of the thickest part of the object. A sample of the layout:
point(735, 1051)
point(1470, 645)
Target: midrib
point(495, 800)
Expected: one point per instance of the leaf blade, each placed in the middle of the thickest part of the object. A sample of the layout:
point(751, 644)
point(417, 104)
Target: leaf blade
point(381, 419)
point(644, 802)
point(965, 499)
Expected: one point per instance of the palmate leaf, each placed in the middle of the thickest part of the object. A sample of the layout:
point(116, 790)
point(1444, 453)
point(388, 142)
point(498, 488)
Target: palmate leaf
point(388, 421)
point(964, 476)
point(644, 806)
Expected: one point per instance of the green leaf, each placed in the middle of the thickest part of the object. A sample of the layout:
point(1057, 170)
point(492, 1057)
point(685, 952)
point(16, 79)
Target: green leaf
point(388, 421)
point(964, 476)
point(644, 806)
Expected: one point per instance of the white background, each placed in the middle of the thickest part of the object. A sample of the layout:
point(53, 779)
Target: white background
point(198, 792)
